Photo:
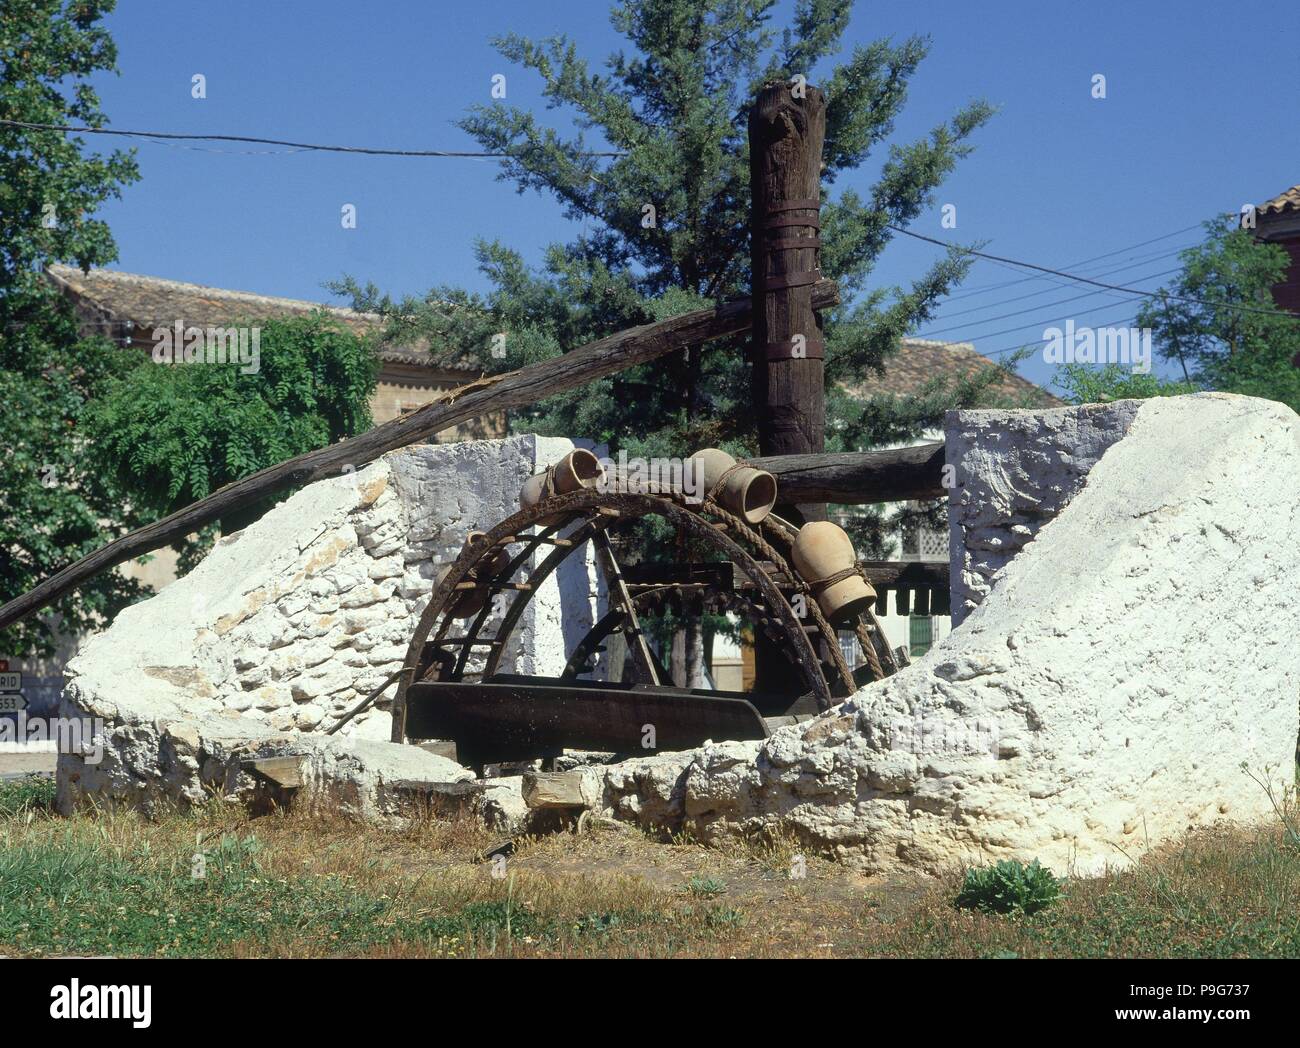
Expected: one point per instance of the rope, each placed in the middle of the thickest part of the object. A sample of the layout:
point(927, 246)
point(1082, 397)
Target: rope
point(711, 494)
point(820, 585)
point(869, 649)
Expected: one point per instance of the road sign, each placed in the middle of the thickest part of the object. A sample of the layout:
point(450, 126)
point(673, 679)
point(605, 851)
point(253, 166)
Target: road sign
point(10, 680)
point(12, 702)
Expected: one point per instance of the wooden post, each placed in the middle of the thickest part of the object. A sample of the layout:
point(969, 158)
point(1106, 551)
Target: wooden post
point(787, 126)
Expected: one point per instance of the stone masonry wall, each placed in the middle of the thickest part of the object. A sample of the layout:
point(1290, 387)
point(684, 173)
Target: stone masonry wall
point(287, 625)
point(1014, 473)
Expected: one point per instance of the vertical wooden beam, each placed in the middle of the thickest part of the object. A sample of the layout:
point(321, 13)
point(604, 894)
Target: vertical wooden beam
point(634, 635)
point(787, 126)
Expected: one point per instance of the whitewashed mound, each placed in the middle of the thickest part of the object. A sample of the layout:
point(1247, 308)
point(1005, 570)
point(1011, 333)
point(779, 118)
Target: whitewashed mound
point(1126, 572)
point(1104, 696)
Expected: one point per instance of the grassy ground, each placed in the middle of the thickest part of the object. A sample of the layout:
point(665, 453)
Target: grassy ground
point(285, 886)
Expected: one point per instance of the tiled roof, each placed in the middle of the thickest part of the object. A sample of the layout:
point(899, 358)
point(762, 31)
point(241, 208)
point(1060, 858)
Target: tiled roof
point(1288, 201)
point(153, 302)
point(920, 361)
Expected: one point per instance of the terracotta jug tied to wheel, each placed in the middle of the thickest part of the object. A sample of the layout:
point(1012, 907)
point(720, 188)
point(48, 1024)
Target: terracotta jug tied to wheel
point(822, 551)
point(747, 492)
point(578, 469)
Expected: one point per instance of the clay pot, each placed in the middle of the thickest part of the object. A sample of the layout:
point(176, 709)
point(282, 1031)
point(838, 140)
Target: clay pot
point(822, 550)
point(578, 469)
point(749, 493)
point(471, 603)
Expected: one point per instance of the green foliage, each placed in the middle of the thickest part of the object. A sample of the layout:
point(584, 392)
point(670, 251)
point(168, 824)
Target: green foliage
point(1194, 325)
point(49, 186)
point(706, 887)
point(54, 506)
point(675, 104)
point(171, 434)
point(1009, 887)
point(1085, 384)
point(98, 439)
point(29, 794)
point(137, 904)
point(1224, 348)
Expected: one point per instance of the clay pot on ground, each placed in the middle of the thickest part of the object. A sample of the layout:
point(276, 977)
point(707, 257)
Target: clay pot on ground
point(747, 492)
point(578, 469)
point(473, 600)
point(821, 551)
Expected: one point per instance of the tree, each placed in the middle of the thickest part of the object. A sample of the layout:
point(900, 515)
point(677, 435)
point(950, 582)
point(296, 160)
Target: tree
point(173, 434)
point(53, 506)
point(1218, 321)
point(1198, 323)
point(666, 224)
point(676, 109)
point(98, 438)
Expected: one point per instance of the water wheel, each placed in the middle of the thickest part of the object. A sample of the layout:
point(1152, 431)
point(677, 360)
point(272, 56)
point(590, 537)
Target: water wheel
point(455, 688)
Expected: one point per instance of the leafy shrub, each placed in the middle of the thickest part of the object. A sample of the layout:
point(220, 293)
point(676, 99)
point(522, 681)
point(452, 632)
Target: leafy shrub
point(1009, 887)
point(705, 887)
point(170, 434)
point(32, 793)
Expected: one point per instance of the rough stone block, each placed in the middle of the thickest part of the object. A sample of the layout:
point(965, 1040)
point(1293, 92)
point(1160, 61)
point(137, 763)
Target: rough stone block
point(1106, 687)
point(254, 647)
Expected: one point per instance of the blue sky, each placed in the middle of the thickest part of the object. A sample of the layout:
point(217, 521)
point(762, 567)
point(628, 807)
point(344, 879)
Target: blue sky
point(1198, 118)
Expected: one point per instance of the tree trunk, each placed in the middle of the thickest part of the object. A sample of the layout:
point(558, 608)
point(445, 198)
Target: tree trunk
point(787, 126)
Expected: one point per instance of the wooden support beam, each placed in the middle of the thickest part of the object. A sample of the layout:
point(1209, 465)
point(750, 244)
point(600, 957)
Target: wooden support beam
point(634, 635)
point(854, 478)
point(905, 574)
point(484, 396)
point(882, 574)
point(787, 126)
point(787, 129)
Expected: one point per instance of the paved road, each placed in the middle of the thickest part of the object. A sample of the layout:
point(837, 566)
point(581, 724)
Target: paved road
point(17, 765)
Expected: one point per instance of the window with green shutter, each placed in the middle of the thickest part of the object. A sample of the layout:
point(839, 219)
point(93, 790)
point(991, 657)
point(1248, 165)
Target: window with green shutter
point(920, 635)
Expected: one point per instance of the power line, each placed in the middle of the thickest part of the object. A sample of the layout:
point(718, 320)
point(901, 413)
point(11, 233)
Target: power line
point(1038, 342)
point(1099, 272)
point(366, 151)
point(1049, 290)
point(1030, 309)
point(980, 289)
point(1022, 327)
point(1136, 292)
point(275, 142)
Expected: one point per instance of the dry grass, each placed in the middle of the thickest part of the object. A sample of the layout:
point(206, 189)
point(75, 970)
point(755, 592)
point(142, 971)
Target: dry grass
point(286, 885)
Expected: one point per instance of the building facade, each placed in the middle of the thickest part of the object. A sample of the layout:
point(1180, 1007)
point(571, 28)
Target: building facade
point(1278, 222)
